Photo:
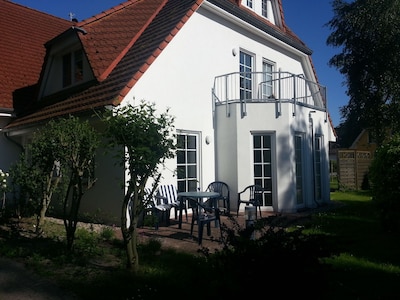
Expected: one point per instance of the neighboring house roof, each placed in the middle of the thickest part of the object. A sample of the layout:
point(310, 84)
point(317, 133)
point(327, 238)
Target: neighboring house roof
point(24, 32)
point(122, 42)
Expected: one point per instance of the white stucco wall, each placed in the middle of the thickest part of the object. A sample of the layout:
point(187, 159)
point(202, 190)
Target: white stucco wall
point(182, 77)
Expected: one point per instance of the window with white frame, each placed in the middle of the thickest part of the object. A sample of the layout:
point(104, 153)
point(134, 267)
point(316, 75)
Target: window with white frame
point(262, 165)
point(298, 144)
point(264, 8)
point(246, 76)
point(318, 167)
point(187, 156)
point(267, 83)
point(72, 68)
point(249, 3)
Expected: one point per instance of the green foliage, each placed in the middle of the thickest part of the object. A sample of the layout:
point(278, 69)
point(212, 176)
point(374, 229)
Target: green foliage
point(37, 175)
point(148, 140)
point(59, 159)
point(385, 177)
point(274, 250)
point(367, 267)
point(86, 242)
point(79, 142)
point(107, 233)
point(369, 60)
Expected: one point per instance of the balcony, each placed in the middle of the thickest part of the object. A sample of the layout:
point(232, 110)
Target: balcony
point(275, 88)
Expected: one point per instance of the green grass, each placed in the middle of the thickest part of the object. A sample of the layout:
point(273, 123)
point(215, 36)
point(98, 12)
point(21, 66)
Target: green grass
point(367, 265)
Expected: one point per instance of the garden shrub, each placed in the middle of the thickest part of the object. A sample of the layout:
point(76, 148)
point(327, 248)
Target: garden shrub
point(277, 258)
point(384, 174)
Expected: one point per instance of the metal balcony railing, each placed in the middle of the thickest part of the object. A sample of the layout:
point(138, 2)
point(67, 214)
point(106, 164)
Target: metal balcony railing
point(277, 87)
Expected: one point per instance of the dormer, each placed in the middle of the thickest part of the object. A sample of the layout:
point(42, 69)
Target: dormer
point(265, 8)
point(66, 64)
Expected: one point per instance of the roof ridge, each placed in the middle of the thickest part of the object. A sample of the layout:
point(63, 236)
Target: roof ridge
point(107, 12)
point(109, 69)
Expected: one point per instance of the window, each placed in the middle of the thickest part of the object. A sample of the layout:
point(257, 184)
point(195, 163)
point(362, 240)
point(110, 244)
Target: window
point(262, 151)
point(72, 68)
point(187, 161)
point(267, 85)
point(318, 167)
point(246, 75)
point(264, 8)
point(298, 144)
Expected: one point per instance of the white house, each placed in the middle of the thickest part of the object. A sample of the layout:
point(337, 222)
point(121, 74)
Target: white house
point(241, 85)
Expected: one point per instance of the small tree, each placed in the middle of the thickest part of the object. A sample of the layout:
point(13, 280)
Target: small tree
point(37, 173)
point(64, 149)
point(79, 142)
point(148, 141)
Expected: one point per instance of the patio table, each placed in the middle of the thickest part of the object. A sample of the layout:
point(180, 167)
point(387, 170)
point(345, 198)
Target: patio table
point(182, 196)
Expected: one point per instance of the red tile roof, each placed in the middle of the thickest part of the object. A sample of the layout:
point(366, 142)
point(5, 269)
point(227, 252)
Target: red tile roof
point(24, 32)
point(121, 43)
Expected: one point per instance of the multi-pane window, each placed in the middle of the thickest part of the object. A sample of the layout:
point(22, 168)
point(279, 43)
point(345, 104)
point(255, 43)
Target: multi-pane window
point(267, 84)
point(260, 7)
point(298, 144)
point(262, 152)
point(318, 167)
point(264, 8)
point(72, 67)
point(246, 75)
point(187, 156)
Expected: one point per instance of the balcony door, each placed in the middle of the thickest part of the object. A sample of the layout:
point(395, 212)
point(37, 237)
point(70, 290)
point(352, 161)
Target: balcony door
point(188, 157)
point(246, 68)
point(299, 158)
point(263, 147)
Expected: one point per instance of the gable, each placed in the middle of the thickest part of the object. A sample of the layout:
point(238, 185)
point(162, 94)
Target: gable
point(66, 67)
point(24, 32)
point(108, 40)
point(145, 45)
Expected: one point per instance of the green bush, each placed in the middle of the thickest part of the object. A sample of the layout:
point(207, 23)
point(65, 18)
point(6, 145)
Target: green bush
point(385, 178)
point(273, 250)
point(107, 233)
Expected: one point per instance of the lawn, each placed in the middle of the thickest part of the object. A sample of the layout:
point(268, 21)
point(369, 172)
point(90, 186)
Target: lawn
point(367, 266)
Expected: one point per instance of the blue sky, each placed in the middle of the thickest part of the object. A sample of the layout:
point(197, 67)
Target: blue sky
point(306, 18)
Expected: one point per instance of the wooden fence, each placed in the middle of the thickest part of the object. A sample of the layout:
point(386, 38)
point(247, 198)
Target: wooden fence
point(353, 168)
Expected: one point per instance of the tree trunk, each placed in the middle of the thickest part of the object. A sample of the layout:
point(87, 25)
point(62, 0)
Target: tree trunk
point(42, 214)
point(47, 195)
point(129, 218)
point(71, 215)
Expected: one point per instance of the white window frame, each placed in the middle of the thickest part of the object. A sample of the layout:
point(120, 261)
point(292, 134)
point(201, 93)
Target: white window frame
point(299, 144)
point(318, 167)
point(267, 87)
point(188, 161)
point(262, 166)
point(246, 69)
